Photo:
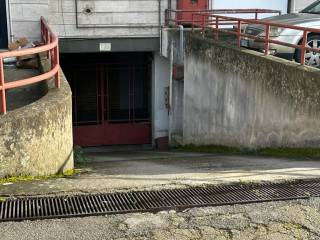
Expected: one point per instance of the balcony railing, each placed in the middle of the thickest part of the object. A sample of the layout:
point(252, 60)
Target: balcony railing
point(50, 46)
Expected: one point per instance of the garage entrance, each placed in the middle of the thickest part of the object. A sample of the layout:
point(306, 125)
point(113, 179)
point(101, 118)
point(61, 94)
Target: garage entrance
point(111, 97)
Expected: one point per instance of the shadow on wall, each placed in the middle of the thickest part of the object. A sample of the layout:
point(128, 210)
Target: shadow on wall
point(37, 138)
point(241, 98)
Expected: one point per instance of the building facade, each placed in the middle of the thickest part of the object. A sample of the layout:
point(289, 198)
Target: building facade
point(111, 56)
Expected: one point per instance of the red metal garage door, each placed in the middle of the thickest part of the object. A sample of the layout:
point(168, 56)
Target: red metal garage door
point(111, 103)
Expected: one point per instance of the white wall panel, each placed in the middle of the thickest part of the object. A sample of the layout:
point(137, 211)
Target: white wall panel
point(268, 4)
point(25, 18)
point(106, 18)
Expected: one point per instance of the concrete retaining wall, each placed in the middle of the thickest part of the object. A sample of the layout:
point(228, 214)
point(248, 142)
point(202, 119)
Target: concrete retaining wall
point(241, 98)
point(19, 97)
point(37, 139)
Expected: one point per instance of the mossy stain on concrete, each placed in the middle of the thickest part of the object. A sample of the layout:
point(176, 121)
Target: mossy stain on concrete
point(271, 152)
point(67, 173)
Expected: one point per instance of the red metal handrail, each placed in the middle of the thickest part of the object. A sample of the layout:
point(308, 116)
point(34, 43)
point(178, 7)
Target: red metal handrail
point(212, 21)
point(173, 19)
point(51, 47)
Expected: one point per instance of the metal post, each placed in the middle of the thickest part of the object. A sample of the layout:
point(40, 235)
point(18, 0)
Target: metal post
point(166, 17)
point(56, 62)
point(181, 44)
point(48, 42)
point(3, 104)
point(51, 51)
point(303, 47)
point(239, 34)
point(42, 31)
point(256, 16)
point(192, 19)
point(266, 40)
point(217, 28)
point(102, 80)
point(203, 17)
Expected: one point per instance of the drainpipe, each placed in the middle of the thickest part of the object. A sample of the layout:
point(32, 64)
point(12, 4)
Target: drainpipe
point(210, 4)
point(293, 6)
point(10, 21)
point(181, 47)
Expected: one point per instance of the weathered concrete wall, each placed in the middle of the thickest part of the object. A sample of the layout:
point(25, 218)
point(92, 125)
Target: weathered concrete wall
point(239, 97)
point(37, 139)
point(106, 19)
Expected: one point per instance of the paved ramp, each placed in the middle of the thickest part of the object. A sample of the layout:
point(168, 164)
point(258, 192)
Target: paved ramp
point(108, 171)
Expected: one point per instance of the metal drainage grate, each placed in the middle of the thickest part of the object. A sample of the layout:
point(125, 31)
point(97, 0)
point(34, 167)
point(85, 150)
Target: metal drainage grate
point(153, 201)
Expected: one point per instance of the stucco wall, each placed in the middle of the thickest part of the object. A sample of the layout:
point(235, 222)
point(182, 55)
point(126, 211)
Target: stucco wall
point(37, 139)
point(241, 98)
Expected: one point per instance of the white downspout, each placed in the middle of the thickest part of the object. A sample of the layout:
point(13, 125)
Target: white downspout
point(181, 46)
point(293, 6)
point(10, 31)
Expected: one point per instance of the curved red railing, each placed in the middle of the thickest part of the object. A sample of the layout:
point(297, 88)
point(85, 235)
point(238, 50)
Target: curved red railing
point(51, 47)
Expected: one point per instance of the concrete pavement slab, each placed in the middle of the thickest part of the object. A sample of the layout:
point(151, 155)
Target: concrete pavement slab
point(110, 171)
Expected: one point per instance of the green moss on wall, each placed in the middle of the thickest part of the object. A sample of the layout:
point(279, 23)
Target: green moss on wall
point(271, 152)
point(67, 173)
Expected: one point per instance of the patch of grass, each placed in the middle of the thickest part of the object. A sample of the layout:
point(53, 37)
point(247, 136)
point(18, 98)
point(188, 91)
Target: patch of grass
point(208, 149)
point(78, 155)
point(270, 152)
point(290, 152)
point(307, 194)
point(292, 226)
point(67, 173)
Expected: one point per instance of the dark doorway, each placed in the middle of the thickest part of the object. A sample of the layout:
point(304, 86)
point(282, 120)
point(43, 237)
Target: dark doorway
point(111, 97)
point(3, 25)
